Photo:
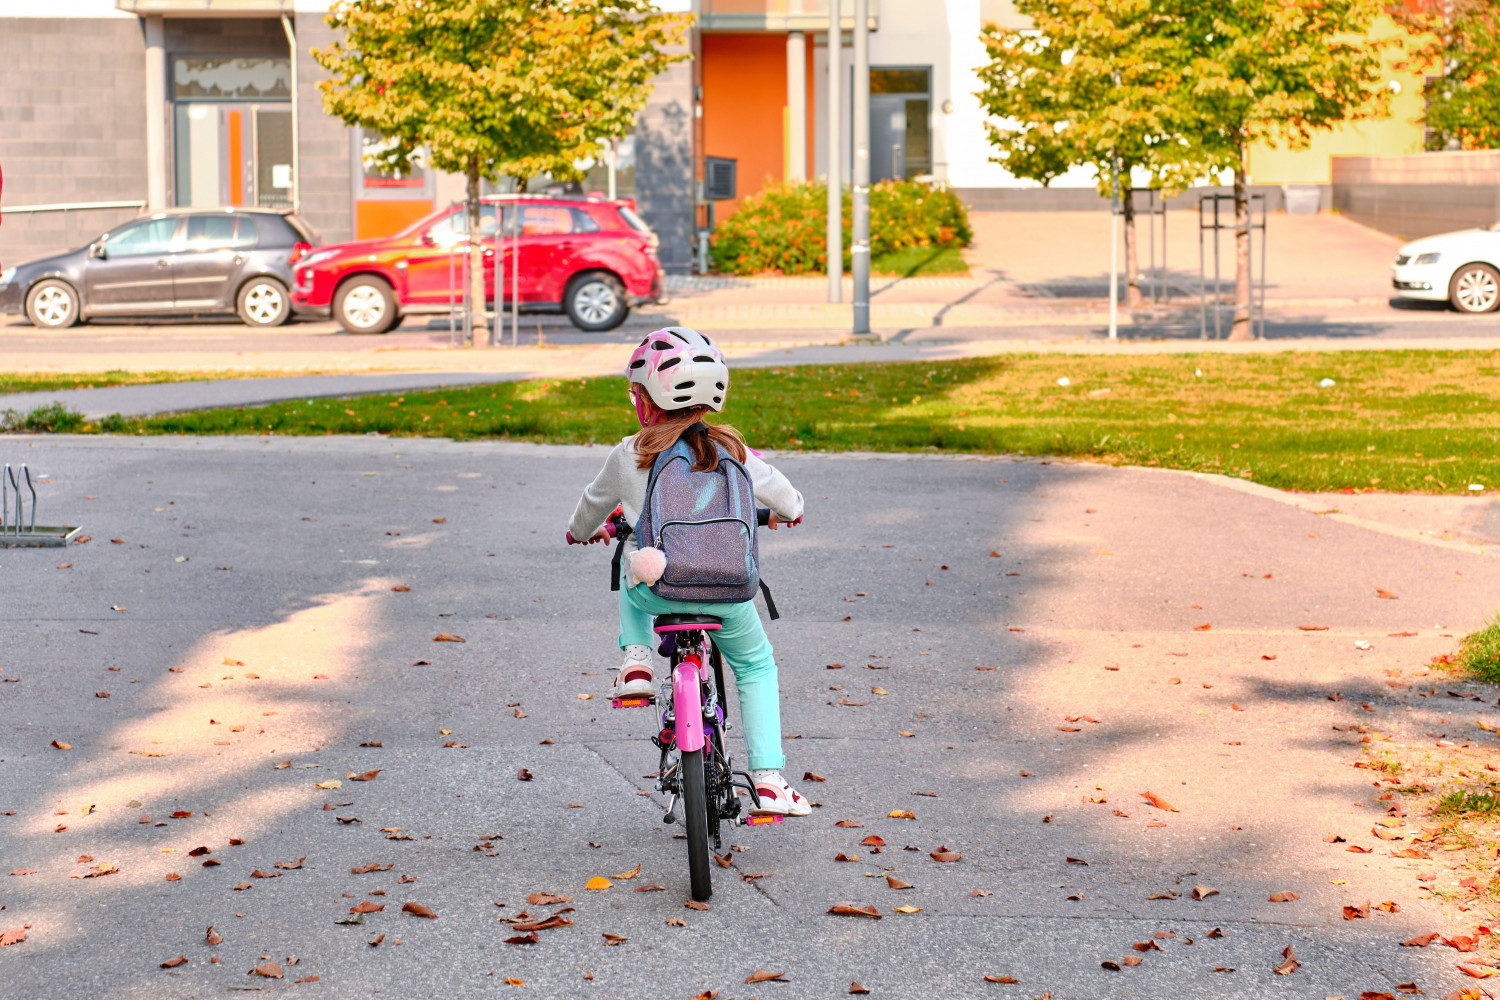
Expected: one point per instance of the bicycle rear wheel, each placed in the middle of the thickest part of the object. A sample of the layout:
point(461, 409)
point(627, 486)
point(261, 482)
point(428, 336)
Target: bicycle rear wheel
point(695, 809)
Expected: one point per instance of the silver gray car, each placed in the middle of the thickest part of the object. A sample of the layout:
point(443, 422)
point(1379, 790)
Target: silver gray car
point(180, 263)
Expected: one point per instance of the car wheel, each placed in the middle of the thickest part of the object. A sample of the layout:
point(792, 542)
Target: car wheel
point(264, 302)
point(52, 304)
point(1475, 288)
point(365, 305)
point(596, 302)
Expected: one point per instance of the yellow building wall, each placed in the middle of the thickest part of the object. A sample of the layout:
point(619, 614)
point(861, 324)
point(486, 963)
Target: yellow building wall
point(1399, 133)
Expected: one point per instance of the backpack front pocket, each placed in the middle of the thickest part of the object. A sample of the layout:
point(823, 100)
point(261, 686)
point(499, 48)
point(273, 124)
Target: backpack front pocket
point(710, 553)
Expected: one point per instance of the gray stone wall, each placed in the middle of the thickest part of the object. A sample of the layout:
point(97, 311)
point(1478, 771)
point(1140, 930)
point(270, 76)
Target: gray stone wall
point(664, 170)
point(325, 182)
point(1419, 195)
point(72, 127)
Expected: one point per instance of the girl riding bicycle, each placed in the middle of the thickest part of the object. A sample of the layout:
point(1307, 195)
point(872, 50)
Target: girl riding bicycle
point(676, 376)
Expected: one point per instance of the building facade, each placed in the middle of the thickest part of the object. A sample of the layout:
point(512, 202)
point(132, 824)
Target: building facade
point(112, 107)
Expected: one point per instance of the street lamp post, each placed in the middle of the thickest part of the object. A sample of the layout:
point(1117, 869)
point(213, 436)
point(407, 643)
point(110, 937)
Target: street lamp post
point(835, 234)
point(860, 248)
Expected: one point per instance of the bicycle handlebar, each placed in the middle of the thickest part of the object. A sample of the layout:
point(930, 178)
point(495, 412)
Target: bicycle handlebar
point(615, 526)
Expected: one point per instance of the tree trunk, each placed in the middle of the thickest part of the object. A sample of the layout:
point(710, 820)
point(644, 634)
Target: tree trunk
point(1242, 329)
point(1133, 298)
point(480, 326)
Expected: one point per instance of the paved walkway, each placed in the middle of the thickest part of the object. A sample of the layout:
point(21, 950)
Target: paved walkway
point(251, 635)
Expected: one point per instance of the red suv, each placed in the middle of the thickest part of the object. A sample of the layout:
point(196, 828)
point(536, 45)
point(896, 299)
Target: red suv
point(590, 258)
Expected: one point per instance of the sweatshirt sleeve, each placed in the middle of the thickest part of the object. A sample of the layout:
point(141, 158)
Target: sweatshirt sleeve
point(772, 488)
point(600, 498)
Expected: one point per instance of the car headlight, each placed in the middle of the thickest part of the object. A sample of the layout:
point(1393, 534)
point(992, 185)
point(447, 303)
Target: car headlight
point(1426, 258)
point(317, 258)
point(7, 276)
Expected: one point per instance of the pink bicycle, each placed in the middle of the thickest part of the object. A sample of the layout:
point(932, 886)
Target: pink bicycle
point(694, 769)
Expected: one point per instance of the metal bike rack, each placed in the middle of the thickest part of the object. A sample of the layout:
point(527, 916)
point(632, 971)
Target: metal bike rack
point(1213, 223)
point(16, 529)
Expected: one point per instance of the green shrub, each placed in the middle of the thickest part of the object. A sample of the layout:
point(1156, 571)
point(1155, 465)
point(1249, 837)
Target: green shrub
point(783, 227)
point(52, 418)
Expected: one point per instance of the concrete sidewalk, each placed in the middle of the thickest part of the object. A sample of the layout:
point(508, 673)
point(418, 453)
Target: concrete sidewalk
point(1012, 652)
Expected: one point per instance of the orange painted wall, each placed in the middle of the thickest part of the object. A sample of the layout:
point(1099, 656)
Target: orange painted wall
point(744, 94)
point(374, 219)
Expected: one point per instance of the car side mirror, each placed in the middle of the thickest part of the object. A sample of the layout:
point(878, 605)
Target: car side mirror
point(97, 251)
point(428, 240)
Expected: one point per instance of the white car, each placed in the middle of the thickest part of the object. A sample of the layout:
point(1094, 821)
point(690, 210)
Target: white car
point(1462, 268)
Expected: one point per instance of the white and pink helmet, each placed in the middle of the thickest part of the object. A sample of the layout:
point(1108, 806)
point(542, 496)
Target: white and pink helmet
point(680, 367)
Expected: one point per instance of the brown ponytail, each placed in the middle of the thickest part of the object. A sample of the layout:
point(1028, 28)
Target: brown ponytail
point(701, 438)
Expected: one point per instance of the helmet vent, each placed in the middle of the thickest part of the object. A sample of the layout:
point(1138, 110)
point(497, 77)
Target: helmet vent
point(681, 399)
point(639, 363)
point(718, 399)
point(661, 345)
point(719, 386)
point(669, 363)
point(704, 357)
point(684, 385)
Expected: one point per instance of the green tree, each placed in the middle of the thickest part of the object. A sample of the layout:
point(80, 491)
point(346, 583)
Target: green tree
point(1087, 86)
point(1460, 40)
point(492, 88)
point(1271, 71)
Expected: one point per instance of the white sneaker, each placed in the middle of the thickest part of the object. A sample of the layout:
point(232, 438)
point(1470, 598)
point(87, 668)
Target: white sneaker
point(635, 677)
point(777, 797)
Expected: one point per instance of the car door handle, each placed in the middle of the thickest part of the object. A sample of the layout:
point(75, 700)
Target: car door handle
point(163, 263)
point(239, 258)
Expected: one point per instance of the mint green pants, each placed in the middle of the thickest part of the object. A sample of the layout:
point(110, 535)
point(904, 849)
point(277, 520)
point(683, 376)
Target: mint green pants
point(742, 642)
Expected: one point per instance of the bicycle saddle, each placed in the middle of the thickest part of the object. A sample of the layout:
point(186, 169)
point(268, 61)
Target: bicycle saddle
point(679, 623)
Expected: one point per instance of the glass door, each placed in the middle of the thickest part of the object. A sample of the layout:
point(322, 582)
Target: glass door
point(232, 133)
point(900, 123)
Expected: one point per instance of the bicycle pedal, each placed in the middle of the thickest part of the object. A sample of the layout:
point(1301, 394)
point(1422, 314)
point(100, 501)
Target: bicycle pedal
point(636, 701)
point(762, 819)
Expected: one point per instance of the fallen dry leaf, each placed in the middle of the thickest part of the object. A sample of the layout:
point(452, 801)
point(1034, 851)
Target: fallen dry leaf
point(1289, 966)
point(1357, 912)
point(614, 940)
point(1284, 897)
point(896, 883)
point(1001, 979)
point(173, 963)
point(598, 883)
point(213, 937)
point(418, 910)
point(854, 987)
point(529, 938)
point(847, 823)
point(873, 840)
point(1384, 594)
point(524, 775)
point(367, 907)
point(841, 856)
point(980, 892)
point(901, 814)
point(693, 904)
point(373, 866)
point(365, 776)
point(765, 976)
point(1420, 941)
point(851, 910)
point(1203, 892)
point(908, 909)
point(448, 637)
point(630, 874)
point(62, 746)
point(945, 856)
point(809, 776)
point(1159, 802)
point(290, 865)
point(329, 784)
point(547, 899)
point(268, 969)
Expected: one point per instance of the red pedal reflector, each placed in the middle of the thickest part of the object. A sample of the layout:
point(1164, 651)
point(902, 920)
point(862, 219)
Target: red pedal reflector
point(763, 819)
point(638, 702)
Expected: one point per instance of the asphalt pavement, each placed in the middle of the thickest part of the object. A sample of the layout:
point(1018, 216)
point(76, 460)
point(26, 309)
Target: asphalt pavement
point(1053, 640)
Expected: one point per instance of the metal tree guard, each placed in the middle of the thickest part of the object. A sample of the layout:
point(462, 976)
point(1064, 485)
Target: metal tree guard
point(1214, 223)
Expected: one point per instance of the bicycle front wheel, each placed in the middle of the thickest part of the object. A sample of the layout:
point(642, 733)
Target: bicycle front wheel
point(695, 809)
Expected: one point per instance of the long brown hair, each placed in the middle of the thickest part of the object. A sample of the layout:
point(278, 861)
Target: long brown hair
point(701, 438)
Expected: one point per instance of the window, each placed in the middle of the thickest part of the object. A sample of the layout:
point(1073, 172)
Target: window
point(219, 232)
point(232, 79)
point(451, 229)
point(546, 220)
point(141, 238)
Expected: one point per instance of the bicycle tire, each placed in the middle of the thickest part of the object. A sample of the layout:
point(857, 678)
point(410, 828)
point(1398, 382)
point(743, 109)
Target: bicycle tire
point(695, 815)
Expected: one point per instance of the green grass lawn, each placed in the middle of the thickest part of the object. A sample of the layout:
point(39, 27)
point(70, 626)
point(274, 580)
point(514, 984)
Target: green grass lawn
point(46, 381)
point(1393, 420)
point(919, 261)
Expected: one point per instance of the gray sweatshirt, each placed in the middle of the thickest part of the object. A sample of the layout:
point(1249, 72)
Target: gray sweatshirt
point(620, 482)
